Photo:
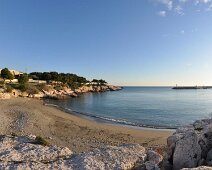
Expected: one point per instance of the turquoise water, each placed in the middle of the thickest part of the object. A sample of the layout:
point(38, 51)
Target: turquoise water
point(159, 107)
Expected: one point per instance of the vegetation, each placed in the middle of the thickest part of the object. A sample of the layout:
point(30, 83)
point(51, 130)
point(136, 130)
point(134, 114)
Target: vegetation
point(99, 82)
point(9, 88)
point(72, 80)
point(41, 141)
point(57, 80)
point(23, 82)
point(22, 79)
point(6, 74)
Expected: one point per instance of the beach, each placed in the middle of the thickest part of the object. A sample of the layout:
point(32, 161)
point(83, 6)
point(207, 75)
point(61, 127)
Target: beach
point(24, 116)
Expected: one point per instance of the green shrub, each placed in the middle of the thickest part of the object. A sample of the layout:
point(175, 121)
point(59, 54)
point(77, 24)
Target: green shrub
point(41, 141)
point(9, 89)
point(13, 134)
point(43, 87)
point(24, 87)
point(23, 79)
point(58, 88)
point(32, 89)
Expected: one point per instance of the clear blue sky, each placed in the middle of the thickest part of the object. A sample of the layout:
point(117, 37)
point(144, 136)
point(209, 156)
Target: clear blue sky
point(126, 42)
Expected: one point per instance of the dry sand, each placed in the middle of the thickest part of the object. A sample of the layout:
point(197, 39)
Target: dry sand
point(30, 116)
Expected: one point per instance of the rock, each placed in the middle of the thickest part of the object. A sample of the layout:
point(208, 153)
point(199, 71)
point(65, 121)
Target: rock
point(23, 153)
point(39, 95)
point(110, 157)
point(5, 95)
point(20, 149)
point(201, 162)
point(209, 158)
point(190, 146)
point(199, 168)
point(187, 152)
point(151, 166)
point(154, 157)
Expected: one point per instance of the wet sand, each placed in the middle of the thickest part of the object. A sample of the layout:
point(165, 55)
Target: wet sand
point(30, 116)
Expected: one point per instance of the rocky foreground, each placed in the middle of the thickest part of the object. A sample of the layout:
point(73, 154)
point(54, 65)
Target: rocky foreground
point(189, 147)
point(26, 152)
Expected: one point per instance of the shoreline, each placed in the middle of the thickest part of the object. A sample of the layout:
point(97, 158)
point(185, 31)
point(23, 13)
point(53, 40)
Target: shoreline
point(105, 120)
point(24, 116)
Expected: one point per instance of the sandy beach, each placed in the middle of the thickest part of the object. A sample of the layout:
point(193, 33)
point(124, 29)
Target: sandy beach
point(30, 116)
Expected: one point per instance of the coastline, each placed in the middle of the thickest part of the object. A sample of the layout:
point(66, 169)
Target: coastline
point(24, 116)
point(109, 121)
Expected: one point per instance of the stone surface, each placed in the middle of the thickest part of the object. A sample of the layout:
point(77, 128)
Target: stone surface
point(110, 157)
point(187, 152)
point(151, 166)
point(23, 153)
point(209, 158)
point(154, 157)
point(190, 146)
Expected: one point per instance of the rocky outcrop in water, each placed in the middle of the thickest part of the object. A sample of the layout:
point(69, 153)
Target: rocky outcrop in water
point(61, 93)
point(99, 88)
point(27, 152)
point(191, 146)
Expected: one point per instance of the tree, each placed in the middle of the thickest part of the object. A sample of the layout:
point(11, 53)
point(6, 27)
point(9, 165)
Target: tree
point(22, 79)
point(6, 74)
point(102, 82)
point(23, 82)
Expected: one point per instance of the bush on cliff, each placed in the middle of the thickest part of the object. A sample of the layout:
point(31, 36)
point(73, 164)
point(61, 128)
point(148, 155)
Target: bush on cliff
point(6, 74)
point(32, 89)
point(22, 79)
point(41, 141)
point(9, 88)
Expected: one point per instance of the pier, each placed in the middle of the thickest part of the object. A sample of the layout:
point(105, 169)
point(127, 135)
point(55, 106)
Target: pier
point(191, 87)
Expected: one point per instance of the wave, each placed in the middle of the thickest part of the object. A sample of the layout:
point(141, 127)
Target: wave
point(108, 119)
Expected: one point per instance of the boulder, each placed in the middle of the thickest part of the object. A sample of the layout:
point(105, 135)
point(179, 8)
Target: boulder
point(209, 158)
point(151, 166)
point(190, 146)
point(25, 152)
point(24, 149)
point(110, 157)
point(187, 152)
point(154, 157)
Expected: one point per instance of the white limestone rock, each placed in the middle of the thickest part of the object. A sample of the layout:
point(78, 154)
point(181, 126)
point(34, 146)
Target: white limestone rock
point(187, 152)
point(22, 153)
point(110, 157)
point(21, 149)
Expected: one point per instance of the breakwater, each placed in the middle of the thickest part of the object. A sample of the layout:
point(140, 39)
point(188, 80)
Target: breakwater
point(191, 87)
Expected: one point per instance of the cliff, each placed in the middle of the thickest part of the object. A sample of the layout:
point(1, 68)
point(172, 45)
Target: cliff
point(56, 92)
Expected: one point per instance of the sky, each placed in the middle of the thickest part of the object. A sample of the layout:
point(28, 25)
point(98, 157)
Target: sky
point(125, 42)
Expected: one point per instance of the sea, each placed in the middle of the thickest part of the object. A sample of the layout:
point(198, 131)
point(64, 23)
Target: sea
point(152, 107)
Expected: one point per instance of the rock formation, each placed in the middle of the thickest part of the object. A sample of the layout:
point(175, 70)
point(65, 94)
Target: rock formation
point(62, 93)
point(26, 152)
point(191, 146)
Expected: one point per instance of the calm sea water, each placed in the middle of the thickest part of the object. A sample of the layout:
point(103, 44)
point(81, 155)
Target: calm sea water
point(159, 107)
